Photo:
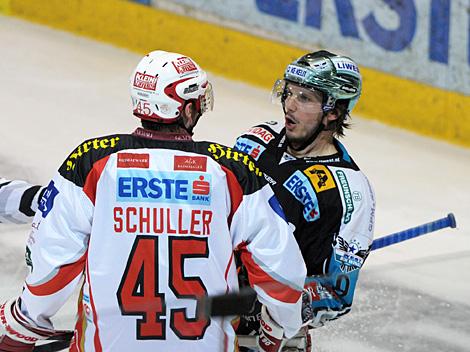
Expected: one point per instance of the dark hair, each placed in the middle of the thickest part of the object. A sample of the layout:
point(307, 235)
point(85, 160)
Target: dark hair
point(170, 127)
point(339, 125)
point(161, 127)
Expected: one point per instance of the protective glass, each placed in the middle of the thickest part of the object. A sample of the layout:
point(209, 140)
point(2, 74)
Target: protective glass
point(306, 99)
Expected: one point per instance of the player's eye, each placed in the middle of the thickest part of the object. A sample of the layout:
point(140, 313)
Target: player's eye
point(303, 98)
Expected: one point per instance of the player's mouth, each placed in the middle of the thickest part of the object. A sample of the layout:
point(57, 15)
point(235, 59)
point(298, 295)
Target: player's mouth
point(289, 122)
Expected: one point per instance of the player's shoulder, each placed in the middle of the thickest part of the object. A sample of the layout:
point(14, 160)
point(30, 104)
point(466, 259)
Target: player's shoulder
point(241, 165)
point(265, 132)
point(81, 160)
point(232, 159)
point(259, 138)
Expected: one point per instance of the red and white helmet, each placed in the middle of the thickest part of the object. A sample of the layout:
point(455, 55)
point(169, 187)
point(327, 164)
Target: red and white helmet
point(161, 84)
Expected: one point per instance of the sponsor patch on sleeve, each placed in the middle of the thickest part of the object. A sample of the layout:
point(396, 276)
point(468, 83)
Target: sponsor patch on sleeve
point(47, 201)
point(249, 147)
point(261, 133)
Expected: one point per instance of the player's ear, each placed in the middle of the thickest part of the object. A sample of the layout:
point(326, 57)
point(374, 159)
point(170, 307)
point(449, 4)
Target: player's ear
point(330, 117)
point(190, 114)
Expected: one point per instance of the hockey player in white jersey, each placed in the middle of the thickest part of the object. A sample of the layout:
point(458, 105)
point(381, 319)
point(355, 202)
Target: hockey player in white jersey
point(18, 201)
point(151, 221)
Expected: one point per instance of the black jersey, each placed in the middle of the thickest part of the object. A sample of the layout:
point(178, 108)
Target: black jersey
point(330, 203)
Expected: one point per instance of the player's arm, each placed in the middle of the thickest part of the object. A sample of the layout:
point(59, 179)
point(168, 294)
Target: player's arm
point(18, 201)
point(56, 254)
point(274, 264)
point(331, 294)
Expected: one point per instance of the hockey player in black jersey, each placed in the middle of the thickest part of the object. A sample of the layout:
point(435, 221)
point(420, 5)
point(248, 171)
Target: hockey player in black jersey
point(324, 194)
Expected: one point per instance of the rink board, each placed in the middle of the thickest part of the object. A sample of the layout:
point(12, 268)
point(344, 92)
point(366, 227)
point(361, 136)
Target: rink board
point(396, 101)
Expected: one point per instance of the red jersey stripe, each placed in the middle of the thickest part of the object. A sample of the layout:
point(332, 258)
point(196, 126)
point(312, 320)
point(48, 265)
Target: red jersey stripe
point(96, 339)
point(236, 192)
point(257, 276)
point(64, 276)
point(93, 177)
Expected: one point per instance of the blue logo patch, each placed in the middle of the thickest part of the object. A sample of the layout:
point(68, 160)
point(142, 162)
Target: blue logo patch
point(47, 200)
point(301, 188)
point(249, 147)
point(164, 187)
point(348, 261)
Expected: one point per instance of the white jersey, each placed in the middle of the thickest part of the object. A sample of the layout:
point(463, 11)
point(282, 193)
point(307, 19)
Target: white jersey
point(152, 224)
point(18, 201)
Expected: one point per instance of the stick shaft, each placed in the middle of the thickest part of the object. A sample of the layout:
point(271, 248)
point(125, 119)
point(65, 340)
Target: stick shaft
point(448, 221)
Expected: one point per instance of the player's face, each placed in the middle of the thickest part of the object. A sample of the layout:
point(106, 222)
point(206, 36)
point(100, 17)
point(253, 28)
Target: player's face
point(303, 112)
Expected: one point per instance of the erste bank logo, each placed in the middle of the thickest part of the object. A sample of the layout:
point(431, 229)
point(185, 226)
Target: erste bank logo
point(163, 187)
point(301, 188)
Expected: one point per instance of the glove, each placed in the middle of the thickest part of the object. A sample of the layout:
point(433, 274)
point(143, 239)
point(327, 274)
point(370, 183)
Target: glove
point(270, 336)
point(20, 333)
point(315, 318)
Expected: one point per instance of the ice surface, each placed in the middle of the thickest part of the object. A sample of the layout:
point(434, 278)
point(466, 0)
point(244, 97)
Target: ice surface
point(58, 89)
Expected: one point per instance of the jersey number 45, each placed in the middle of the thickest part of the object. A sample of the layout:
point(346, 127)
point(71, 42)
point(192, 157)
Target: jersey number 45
point(138, 292)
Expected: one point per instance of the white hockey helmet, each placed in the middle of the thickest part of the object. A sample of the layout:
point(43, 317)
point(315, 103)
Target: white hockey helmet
point(161, 84)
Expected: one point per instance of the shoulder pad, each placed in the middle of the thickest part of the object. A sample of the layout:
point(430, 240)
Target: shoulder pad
point(79, 163)
point(244, 168)
point(265, 132)
point(276, 126)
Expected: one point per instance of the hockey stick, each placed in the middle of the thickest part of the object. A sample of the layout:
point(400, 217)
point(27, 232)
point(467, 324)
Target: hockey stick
point(448, 221)
point(54, 346)
point(242, 302)
point(59, 343)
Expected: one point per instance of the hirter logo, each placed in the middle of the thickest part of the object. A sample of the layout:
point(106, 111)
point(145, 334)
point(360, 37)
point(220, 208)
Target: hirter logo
point(132, 160)
point(184, 65)
point(190, 163)
point(144, 81)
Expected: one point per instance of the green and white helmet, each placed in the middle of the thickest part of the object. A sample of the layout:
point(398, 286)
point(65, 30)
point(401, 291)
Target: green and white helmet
point(337, 77)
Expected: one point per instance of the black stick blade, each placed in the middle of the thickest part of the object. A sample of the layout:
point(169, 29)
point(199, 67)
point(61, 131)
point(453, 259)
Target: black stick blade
point(228, 304)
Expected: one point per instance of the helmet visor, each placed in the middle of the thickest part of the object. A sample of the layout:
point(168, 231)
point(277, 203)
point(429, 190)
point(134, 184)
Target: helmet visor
point(305, 98)
point(278, 91)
